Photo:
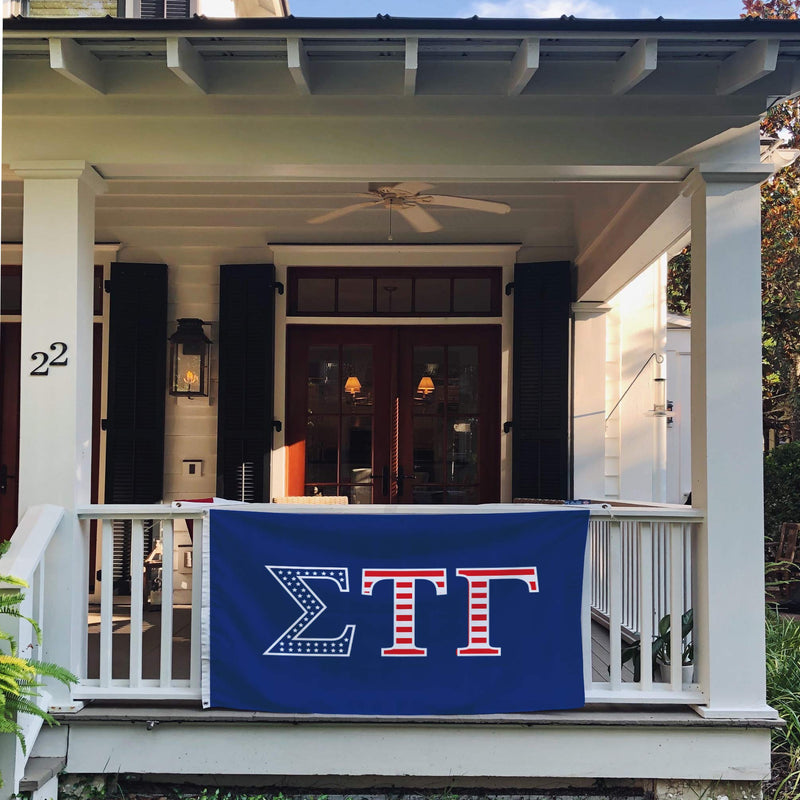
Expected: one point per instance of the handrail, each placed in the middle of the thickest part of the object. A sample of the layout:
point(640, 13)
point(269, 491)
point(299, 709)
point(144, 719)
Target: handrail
point(196, 510)
point(143, 511)
point(30, 540)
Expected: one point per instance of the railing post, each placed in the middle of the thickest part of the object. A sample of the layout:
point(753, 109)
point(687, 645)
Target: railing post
point(65, 606)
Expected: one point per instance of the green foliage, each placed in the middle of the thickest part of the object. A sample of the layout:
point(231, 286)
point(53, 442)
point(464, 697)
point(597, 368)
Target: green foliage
point(19, 676)
point(783, 677)
point(679, 290)
point(783, 694)
point(662, 645)
point(781, 488)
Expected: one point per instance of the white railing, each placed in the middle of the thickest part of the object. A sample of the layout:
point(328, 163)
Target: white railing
point(121, 646)
point(25, 559)
point(638, 568)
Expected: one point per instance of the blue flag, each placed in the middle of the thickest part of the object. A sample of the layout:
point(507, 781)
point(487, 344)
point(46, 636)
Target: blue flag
point(395, 613)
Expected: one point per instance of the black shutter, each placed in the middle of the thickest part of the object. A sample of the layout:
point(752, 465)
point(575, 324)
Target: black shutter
point(246, 356)
point(161, 9)
point(137, 363)
point(177, 9)
point(540, 452)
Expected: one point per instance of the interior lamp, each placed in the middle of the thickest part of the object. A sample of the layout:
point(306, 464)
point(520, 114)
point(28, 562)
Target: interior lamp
point(425, 386)
point(352, 385)
point(189, 357)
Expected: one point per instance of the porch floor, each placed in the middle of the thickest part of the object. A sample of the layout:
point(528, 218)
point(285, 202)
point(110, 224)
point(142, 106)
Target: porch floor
point(181, 644)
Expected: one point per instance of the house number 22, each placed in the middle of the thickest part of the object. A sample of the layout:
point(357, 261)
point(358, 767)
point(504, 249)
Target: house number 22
point(45, 361)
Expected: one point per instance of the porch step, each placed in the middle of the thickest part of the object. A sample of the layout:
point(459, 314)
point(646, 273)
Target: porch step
point(39, 770)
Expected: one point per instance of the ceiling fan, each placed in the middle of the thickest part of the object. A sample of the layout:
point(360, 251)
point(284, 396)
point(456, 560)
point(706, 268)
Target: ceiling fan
point(408, 199)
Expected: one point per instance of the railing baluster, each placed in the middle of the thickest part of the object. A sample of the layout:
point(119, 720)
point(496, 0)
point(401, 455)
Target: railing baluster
point(586, 613)
point(676, 603)
point(137, 593)
point(615, 604)
point(167, 559)
point(646, 604)
point(197, 594)
point(106, 601)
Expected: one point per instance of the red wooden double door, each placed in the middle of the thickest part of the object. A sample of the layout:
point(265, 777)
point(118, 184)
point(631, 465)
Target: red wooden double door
point(394, 414)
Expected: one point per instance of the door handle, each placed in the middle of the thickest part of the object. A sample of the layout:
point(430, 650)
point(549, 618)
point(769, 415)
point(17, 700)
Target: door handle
point(401, 477)
point(4, 476)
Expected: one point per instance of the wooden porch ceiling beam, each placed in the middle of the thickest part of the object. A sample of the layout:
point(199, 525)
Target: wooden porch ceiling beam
point(298, 65)
point(752, 62)
point(523, 66)
point(77, 64)
point(635, 66)
point(412, 60)
point(187, 63)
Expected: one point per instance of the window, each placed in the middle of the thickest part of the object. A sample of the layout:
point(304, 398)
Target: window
point(356, 291)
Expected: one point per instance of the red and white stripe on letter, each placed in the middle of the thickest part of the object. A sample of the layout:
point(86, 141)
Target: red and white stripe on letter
point(479, 579)
point(404, 590)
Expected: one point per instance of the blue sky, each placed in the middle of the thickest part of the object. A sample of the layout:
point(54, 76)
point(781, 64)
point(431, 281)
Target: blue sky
point(610, 9)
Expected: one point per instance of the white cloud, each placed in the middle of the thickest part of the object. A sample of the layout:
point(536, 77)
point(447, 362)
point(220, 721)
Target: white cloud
point(543, 8)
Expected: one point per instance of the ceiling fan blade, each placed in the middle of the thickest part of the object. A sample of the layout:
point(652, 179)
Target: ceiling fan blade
point(468, 202)
point(340, 212)
point(411, 187)
point(419, 219)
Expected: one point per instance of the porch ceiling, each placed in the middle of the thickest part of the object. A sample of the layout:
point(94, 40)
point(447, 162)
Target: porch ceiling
point(551, 221)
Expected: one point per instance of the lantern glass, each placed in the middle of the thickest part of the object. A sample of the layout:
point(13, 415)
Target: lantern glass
point(189, 359)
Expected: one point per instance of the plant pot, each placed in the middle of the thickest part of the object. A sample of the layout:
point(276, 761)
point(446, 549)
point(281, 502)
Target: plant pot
point(687, 673)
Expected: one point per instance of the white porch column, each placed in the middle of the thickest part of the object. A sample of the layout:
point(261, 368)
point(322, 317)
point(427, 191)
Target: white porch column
point(589, 400)
point(56, 384)
point(726, 439)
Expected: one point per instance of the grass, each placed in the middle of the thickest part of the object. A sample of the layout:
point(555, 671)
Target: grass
point(783, 694)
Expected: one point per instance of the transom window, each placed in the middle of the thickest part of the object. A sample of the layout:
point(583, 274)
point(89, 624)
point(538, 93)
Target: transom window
point(355, 291)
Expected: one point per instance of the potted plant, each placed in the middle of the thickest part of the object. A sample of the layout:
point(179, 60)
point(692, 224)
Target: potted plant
point(661, 647)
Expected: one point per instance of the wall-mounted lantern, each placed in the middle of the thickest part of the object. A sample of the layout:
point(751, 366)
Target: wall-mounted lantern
point(189, 359)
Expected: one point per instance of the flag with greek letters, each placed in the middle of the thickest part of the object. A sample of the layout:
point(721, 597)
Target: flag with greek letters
point(375, 613)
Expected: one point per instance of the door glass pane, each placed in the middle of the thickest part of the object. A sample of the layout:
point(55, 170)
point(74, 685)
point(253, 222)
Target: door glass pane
point(322, 449)
point(358, 385)
point(462, 450)
point(356, 457)
point(355, 295)
point(428, 456)
point(11, 290)
point(394, 295)
point(472, 295)
point(432, 295)
point(427, 494)
point(323, 379)
point(316, 295)
point(427, 374)
point(462, 389)
point(467, 495)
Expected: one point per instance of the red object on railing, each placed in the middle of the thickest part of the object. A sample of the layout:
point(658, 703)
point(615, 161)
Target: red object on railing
point(190, 522)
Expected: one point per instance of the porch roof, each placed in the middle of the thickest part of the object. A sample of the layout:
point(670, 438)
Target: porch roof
point(753, 48)
point(586, 128)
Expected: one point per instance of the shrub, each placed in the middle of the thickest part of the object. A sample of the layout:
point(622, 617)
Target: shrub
point(781, 488)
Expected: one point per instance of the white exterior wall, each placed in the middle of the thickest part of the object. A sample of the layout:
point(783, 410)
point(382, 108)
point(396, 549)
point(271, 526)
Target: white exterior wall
point(589, 400)
point(679, 433)
point(636, 456)
point(190, 425)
